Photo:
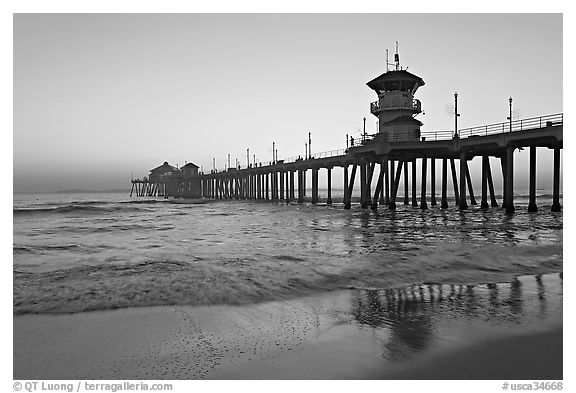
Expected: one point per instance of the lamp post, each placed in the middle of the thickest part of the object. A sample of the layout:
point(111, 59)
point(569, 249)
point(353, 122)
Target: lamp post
point(248, 158)
point(456, 115)
point(510, 117)
point(309, 145)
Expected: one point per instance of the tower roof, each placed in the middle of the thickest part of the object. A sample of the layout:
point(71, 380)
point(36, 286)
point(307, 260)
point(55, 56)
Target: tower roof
point(404, 120)
point(395, 80)
point(164, 168)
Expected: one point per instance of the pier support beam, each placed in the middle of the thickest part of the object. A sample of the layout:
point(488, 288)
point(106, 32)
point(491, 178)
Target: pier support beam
point(383, 167)
point(345, 198)
point(381, 176)
point(367, 188)
point(363, 203)
point(484, 175)
point(348, 202)
point(292, 189)
point(329, 175)
point(532, 207)
point(510, 180)
point(371, 167)
point(470, 188)
point(378, 191)
point(504, 173)
point(423, 204)
point(433, 181)
point(392, 204)
point(386, 182)
point(414, 197)
point(314, 186)
point(406, 185)
point(281, 175)
point(392, 172)
point(287, 186)
point(493, 201)
point(556, 182)
point(304, 182)
point(455, 182)
point(463, 205)
point(301, 177)
point(444, 202)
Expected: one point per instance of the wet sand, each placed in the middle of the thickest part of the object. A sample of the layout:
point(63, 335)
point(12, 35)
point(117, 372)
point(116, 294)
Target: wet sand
point(503, 331)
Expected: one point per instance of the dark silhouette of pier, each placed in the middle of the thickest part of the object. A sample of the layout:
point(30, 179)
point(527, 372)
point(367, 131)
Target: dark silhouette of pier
point(285, 181)
point(395, 148)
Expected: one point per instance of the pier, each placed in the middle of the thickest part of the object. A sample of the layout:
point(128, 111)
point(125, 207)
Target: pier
point(395, 149)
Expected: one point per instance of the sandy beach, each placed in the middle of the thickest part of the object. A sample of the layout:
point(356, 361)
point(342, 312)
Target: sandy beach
point(449, 332)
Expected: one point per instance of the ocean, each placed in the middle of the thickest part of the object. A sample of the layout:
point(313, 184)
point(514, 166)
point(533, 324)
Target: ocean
point(96, 251)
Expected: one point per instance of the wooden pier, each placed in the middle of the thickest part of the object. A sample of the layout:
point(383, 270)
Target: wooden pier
point(276, 182)
point(396, 147)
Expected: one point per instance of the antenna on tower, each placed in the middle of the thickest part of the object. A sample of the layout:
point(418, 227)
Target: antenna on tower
point(387, 63)
point(397, 58)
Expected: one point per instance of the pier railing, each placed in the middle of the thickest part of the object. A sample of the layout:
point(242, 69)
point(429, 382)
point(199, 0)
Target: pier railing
point(324, 154)
point(489, 129)
point(376, 106)
point(497, 128)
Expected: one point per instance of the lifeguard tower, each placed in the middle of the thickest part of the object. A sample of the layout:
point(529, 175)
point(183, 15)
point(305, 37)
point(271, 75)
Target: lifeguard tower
point(396, 107)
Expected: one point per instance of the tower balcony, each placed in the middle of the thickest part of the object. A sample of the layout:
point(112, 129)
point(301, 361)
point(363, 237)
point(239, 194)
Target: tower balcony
point(376, 107)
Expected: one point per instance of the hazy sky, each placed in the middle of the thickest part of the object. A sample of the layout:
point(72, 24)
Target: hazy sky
point(99, 96)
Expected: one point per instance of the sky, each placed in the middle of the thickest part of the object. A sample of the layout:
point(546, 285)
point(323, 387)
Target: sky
point(99, 98)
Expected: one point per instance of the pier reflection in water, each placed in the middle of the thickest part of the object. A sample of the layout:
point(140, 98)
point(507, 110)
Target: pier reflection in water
point(416, 316)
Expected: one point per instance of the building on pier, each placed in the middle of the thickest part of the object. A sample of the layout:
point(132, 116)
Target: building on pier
point(190, 170)
point(162, 172)
point(396, 107)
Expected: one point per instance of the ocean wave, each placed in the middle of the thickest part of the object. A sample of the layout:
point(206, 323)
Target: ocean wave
point(243, 281)
point(75, 248)
point(80, 208)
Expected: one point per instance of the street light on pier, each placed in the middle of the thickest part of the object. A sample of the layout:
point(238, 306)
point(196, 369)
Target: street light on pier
point(510, 117)
point(456, 115)
point(309, 145)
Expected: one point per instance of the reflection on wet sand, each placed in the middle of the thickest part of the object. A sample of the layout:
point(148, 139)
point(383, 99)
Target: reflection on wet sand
point(417, 315)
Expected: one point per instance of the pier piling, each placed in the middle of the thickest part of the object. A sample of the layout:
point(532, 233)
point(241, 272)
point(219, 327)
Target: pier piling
point(509, 180)
point(444, 201)
point(406, 185)
point(556, 182)
point(423, 204)
point(463, 204)
point(432, 181)
point(532, 207)
point(414, 196)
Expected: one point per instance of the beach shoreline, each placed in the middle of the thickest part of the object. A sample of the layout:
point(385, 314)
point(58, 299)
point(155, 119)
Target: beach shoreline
point(504, 331)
